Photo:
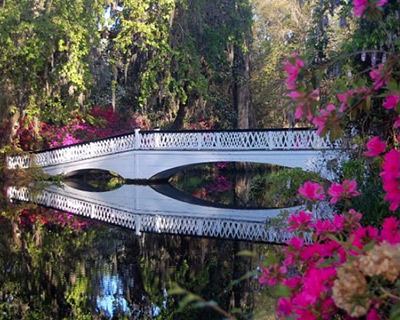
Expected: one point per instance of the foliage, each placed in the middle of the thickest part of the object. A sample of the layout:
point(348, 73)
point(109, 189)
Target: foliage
point(280, 27)
point(104, 123)
point(278, 187)
point(44, 65)
point(348, 270)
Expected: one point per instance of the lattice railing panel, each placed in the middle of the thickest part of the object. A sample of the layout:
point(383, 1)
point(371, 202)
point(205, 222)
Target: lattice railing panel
point(186, 140)
point(173, 224)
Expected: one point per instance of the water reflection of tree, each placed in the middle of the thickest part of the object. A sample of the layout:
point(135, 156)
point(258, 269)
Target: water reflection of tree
point(50, 270)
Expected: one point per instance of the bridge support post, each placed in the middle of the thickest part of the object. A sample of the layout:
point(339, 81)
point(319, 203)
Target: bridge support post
point(157, 137)
point(218, 138)
point(137, 138)
point(199, 227)
point(270, 140)
point(138, 225)
point(198, 137)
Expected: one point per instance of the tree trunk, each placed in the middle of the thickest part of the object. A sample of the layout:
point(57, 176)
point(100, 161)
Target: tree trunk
point(180, 117)
point(241, 72)
point(114, 87)
point(241, 90)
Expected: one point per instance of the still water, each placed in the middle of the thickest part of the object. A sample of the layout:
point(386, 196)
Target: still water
point(54, 265)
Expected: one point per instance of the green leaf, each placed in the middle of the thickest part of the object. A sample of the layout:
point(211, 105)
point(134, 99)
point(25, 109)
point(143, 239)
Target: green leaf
point(270, 260)
point(176, 289)
point(335, 132)
point(328, 262)
point(187, 299)
point(369, 246)
point(368, 103)
point(392, 85)
point(395, 312)
point(247, 275)
point(246, 253)
point(282, 291)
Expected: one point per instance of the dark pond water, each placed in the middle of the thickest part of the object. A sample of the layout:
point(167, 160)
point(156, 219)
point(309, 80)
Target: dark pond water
point(242, 185)
point(54, 265)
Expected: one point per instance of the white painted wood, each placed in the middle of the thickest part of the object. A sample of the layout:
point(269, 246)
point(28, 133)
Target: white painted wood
point(155, 212)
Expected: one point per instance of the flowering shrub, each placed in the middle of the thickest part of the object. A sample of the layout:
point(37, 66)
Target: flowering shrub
point(347, 271)
point(30, 217)
point(106, 123)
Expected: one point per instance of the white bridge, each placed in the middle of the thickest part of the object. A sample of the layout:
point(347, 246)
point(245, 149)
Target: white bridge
point(159, 154)
point(144, 209)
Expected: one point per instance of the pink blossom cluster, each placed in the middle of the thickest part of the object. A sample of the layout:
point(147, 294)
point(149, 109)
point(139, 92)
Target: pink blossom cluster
point(390, 170)
point(360, 6)
point(347, 96)
point(29, 217)
point(380, 77)
point(292, 68)
point(375, 147)
point(309, 270)
point(314, 191)
point(346, 190)
point(328, 116)
point(304, 103)
point(391, 101)
point(303, 100)
point(108, 122)
point(391, 178)
point(221, 184)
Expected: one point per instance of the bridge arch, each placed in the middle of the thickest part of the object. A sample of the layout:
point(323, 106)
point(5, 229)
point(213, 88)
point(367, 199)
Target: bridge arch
point(168, 173)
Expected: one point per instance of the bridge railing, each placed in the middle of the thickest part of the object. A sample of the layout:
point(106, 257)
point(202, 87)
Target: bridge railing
point(235, 140)
point(158, 223)
point(276, 139)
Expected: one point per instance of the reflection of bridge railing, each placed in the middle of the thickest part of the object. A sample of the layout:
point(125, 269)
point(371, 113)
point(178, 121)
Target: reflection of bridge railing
point(274, 139)
point(174, 224)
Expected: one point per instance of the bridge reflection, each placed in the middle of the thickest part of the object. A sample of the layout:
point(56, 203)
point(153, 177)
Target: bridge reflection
point(160, 209)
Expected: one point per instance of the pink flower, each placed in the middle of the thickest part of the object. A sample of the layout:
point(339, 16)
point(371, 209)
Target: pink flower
point(320, 122)
point(396, 122)
point(299, 221)
point(343, 98)
point(295, 242)
point(316, 281)
point(327, 116)
point(323, 226)
point(381, 3)
point(345, 190)
point(312, 191)
point(373, 315)
point(390, 230)
point(375, 147)
point(362, 236)
point(267, 278)
point(293, 69)
point(273, 274)
point(359, 7)
point(390, 176)
point(379, 77)
point(298, 114)
point(312, 252)
point(391, 101)
point(295, 94)
point(284, 307)
point(302, 312)
point(292, 283)
point(304, 104)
